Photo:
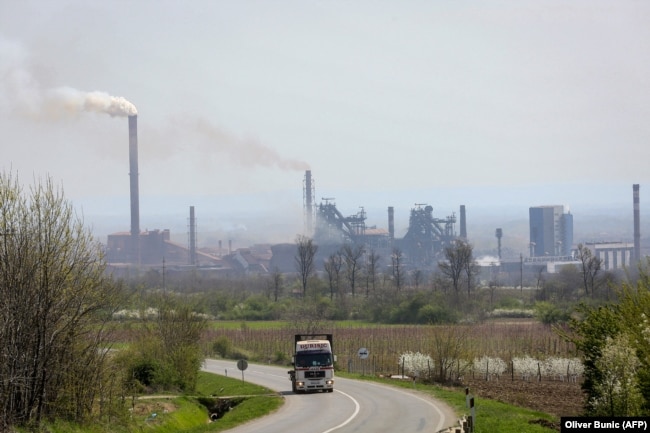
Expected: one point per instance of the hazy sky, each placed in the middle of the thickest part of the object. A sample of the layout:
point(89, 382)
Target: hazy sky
point(387, 102)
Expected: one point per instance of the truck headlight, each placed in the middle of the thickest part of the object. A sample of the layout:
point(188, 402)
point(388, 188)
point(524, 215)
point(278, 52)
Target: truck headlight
point(329, 382)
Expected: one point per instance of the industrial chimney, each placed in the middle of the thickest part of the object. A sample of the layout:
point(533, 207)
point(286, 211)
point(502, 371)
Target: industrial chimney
point(391, 223)
point(135, 194)
point(308, 194)
point(637, 223)
point(463, 222)
point(192, 237)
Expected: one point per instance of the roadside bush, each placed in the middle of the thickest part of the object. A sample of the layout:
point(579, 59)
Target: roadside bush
point(435, 314)
point(222, 346)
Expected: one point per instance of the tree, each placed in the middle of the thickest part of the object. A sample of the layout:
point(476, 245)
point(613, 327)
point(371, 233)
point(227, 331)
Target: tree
point(333, 266)
point(275, 284)
point(351, 256)
point(55, 303)
point(591, 265)
point(590, 329)
point(397, 268)
point(450, 346)
point(371, 272)
point(179, 331)
point(458, 261)
point(306, 253)
point(618, 390)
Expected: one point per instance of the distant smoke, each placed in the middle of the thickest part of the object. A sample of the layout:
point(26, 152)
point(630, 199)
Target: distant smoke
point(24, 94)
point(245, 152)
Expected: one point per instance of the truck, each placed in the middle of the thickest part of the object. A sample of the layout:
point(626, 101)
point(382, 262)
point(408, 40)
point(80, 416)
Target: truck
point(313, 363)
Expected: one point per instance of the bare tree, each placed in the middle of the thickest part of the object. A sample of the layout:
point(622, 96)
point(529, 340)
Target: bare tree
point(417, 278)
point(450, 346)
point(458, 257)
point(333, 266)
point(397, 268)
point(371, 272)
point(305, 255)
point(591, 266)
point(55, 303)
point(352, 256)
point(275, 284)
point(471, 270)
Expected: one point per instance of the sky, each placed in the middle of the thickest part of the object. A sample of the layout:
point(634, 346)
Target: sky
point(489, 104)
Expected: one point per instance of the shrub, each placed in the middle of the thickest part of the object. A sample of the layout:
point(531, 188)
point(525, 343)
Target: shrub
point(222, 346)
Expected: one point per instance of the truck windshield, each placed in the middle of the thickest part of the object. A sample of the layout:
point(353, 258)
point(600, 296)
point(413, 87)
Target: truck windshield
point(314, 360)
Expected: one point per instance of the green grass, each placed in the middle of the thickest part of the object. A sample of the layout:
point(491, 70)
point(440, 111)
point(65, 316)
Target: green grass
point(491, 416)
point(189, 415)
point(217, 385)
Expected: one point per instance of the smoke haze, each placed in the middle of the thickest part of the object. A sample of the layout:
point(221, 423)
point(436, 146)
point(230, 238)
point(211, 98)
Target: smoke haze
point(25, 95)
point(246, 152)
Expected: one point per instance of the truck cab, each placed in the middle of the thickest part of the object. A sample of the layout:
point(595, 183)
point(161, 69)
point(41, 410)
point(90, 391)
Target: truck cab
point(313, 364)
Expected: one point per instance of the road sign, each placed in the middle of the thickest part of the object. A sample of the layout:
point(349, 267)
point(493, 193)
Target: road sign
point(242, 364)
point(363, 353)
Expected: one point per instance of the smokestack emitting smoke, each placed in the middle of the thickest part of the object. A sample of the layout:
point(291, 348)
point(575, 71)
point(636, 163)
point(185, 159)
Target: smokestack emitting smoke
point(637, 223)
point(135, 193)
point(309, 207)
point(66, 100)
point(391, 223)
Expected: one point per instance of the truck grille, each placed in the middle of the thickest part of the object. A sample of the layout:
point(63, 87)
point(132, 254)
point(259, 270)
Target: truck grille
point(314, 374)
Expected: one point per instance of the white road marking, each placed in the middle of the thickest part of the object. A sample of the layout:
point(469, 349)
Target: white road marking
point(347, 421)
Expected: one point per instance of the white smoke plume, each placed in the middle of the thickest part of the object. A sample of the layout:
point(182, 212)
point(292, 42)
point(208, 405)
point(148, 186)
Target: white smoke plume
point(22, 93)
point(66, 100)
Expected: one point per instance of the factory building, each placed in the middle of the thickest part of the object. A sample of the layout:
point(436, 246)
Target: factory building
point(551, 231)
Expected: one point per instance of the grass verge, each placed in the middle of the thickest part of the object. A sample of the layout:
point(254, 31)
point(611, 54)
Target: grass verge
point(173, 414)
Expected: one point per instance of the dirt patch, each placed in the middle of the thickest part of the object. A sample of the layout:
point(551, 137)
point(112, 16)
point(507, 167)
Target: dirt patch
point(553, 397)
point(150, 407)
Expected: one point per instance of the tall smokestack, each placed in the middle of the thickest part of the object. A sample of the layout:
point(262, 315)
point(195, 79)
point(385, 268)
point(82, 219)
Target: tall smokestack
point(309, 207)
point(637, 223)
point(192, 237)
point(135, 194)
point(391, 223)
point(463, 222)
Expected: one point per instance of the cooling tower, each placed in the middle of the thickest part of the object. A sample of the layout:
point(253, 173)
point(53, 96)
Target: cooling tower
point(637, 223)
point(135, 194)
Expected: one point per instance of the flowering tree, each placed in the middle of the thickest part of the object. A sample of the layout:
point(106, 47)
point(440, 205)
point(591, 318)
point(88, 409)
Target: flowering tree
point(416, 364)
point(525, 366)
point(489, 366)
point(618, 391)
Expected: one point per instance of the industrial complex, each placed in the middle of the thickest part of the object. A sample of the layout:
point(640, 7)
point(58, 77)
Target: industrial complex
point(422, 247)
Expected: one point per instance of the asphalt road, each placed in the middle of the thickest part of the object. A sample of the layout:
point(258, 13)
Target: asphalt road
point(354, 406)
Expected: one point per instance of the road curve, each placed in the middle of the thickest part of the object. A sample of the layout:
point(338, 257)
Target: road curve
point(354, 406)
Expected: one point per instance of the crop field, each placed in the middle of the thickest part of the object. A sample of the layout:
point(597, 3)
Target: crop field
point(521, 362)
point(386, 343)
